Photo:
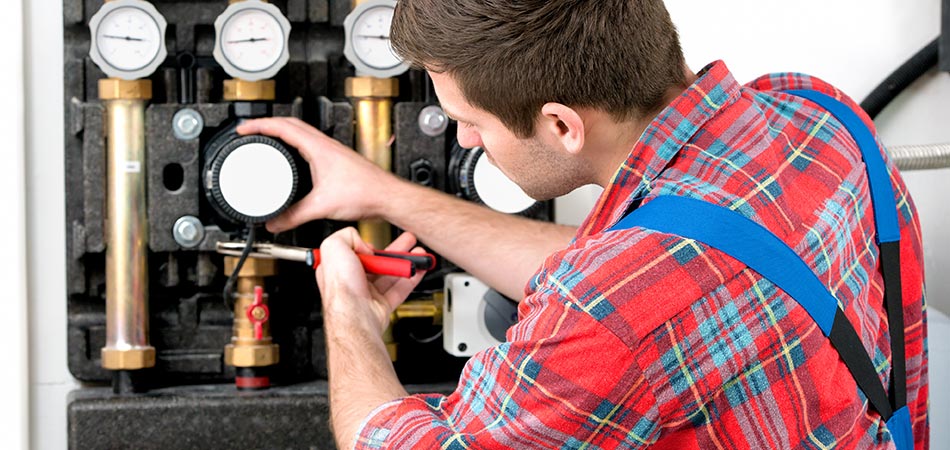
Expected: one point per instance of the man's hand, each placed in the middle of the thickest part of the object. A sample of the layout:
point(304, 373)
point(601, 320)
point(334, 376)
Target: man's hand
point(350, 297)
point(346, 185)
point(356, 311)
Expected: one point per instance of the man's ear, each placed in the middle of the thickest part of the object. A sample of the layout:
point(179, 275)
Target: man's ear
point(565, 124)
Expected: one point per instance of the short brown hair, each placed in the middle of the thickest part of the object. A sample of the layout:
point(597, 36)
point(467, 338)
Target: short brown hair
point(510, 57)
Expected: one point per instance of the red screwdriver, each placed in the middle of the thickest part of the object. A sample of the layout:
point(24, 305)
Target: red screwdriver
point(398, 264)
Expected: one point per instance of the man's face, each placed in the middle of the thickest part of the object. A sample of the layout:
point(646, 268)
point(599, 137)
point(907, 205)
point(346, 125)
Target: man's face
point(533, 164)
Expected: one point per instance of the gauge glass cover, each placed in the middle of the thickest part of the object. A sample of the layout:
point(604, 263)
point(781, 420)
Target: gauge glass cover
point(251, 40)
point(368, 46)
point(128, 39)
point(371, 38)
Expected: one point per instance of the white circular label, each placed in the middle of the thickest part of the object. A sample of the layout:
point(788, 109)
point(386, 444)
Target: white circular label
point(497, 191)
point(256, 179)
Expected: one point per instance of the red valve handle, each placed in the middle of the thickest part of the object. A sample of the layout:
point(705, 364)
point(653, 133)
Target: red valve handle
point(258, 305)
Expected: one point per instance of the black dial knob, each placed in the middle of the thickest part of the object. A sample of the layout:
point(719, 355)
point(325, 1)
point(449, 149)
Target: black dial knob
point(472, 176)
point(250, 179)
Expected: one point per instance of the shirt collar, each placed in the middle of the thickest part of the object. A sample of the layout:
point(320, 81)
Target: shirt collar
point(669, 131)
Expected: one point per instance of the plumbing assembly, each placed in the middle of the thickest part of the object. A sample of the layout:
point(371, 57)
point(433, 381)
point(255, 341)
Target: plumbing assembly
point(187, 320)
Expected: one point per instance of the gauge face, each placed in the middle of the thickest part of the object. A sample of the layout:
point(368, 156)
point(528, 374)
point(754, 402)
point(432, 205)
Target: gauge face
point(368, 46)
point(128, 39)
point(371, 38)
point(251, 41)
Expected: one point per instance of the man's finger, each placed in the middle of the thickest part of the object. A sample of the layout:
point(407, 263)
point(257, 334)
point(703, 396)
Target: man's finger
point(296, 133)
point(307, 209)
point(403, 243)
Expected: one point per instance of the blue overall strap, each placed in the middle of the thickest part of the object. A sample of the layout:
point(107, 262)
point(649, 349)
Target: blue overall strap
point(888, 237)
point(760, 250)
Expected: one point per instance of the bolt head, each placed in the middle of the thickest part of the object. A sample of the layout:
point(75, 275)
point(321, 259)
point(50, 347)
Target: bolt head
point(433, 121)
point(187, 123)
point(187, 230)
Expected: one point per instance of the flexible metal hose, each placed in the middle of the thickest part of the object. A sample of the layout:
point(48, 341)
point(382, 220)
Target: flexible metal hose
point(920, 157)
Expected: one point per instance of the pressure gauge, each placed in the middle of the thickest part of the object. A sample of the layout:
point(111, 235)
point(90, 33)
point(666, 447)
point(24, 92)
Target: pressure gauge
point(128, 39)
point(368, 46)
point(473, 177)
point(251, 40)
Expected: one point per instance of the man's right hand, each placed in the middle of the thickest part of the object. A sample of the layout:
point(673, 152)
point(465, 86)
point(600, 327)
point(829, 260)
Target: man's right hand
point(500, 249)
point(346, 186)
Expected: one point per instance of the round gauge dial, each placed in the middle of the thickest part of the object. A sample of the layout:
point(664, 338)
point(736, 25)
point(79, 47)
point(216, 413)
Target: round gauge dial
point(368, 46)
point(128, 39)
point(251, 40)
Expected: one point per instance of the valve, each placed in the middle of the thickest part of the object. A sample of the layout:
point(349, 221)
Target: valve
point(258, 313)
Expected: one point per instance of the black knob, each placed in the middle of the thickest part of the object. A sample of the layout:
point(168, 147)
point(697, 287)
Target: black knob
point(472, 176)
point(250, 179)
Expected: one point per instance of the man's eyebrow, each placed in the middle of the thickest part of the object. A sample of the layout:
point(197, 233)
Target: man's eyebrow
point(451, 115)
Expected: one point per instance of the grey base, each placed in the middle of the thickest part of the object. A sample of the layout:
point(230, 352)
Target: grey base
point(206, 417)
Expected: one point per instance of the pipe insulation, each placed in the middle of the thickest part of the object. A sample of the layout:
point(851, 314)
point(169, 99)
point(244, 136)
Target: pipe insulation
point(920, 157)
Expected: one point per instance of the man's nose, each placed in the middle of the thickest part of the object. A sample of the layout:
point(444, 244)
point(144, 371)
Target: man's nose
point(468, 138)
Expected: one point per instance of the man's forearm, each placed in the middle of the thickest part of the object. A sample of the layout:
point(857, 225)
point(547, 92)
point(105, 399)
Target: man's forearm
point(361, 376)
point(500, 249)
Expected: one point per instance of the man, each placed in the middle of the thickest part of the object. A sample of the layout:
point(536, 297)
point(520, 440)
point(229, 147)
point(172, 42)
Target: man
point(631, 337)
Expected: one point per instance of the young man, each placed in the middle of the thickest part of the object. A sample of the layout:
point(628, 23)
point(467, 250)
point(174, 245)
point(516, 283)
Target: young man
point(631, 337)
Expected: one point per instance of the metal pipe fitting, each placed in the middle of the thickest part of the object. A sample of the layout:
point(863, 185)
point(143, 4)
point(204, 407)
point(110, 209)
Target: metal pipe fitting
point(921, 157)
point(127, 342)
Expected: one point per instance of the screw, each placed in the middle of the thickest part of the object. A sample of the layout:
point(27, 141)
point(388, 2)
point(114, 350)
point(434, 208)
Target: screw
point(462, 347)
point(187, 124)
point(433, 121)
point(188, 231)
point(258, 313)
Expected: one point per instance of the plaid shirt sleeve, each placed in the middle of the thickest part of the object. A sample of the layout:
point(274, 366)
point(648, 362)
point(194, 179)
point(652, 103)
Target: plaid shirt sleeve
point(561, 381)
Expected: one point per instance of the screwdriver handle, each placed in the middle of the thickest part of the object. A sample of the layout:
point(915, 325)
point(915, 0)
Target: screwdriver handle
point(379, 265)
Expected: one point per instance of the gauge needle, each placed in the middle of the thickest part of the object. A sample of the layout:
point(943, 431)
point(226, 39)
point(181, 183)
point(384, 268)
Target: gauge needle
point(369, 36)
point(125, 38)
point(251, 40)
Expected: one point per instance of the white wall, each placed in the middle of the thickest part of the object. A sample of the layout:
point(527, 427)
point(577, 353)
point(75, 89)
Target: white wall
point(851, 43)
point(50, 380)
point(13, 331)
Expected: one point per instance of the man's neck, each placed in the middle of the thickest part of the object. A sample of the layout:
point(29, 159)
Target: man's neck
point(613, 141)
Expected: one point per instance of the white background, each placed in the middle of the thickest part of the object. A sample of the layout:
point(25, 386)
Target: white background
point(851, 43)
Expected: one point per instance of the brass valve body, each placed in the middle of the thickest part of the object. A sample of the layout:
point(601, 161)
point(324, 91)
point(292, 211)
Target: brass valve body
point(249, 91)
point(245, 350)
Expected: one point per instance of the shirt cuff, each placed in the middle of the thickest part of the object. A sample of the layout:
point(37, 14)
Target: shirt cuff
point(375, 428)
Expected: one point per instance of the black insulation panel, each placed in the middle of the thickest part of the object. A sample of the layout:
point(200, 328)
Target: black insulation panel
point(190, 401)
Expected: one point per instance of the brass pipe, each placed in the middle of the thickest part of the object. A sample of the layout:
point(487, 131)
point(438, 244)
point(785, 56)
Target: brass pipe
point(373, 103)
point(127, 343)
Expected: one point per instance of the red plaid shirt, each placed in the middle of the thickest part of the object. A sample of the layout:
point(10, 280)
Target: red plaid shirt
point(634, 338)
